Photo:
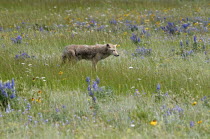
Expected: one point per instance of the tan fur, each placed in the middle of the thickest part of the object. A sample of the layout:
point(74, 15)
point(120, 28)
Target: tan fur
point(94, 53)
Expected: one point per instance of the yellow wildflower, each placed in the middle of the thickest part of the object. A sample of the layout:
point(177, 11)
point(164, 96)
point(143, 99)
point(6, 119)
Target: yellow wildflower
point(60, 73)
point(39, 99)
point(32, 99)
point(199, 122)
point(196, 23)
point(153, 122)
point(194, 103)
point(39, 91)
point(125, 33)
point(126, 14)
point(157, 23)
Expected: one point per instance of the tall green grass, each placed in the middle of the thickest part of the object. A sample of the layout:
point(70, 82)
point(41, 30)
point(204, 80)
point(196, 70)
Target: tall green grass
point(66, 110)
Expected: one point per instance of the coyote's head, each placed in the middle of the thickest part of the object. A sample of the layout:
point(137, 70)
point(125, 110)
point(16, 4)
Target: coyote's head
point(112, 50)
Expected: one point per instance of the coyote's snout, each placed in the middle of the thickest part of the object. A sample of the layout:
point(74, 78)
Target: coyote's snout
point(94, 53)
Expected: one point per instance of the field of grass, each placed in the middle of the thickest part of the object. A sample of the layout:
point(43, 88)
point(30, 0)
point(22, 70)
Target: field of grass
point(159, 86)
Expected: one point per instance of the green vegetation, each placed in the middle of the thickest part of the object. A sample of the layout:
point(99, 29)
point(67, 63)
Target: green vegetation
point(158, 87)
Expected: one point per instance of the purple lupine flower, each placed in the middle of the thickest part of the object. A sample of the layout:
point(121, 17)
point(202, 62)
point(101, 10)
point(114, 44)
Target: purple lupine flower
point(178, 109)
point(195, 39)
point(4, 93)
point(158, 87)
point(186, 25)
point(97, 80)
point(41, 29)
point(113, 22)
point(142, 51)
point(94, 99)
point(57, 110)
point(28, 106)
point(203, 98)
point(93, 22)
point(100, 28)
point(88, 79)
point(135, 38)
point(17, 40)
point(12, 95)
point(192, 123)
point(89, 87)
point(91, 94)
point(95, 86)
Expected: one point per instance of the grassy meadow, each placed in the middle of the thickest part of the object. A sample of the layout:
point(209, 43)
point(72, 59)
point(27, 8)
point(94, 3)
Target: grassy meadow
point(159, 86)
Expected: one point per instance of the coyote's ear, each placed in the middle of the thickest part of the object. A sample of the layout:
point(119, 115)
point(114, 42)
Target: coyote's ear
point(108, 45)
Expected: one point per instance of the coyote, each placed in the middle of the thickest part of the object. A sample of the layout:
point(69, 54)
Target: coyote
point(94, 53)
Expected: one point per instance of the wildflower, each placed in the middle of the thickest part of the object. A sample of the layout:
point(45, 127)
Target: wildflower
point(199, 122)
point(204, 98)
point(196, 23)
point(132, 27)
point(185, 25)
point(28, 106)
point(125, 33)
point(60, 73)
point(137, 92)
point(135, 38)
point(192, 124)
point(153, 122)
point(17, 40)
point(113, 22)
point(88, 79)
point(91, 94)
point(132, 125)
point(101, 28)
point(95, 86)
point(141, 51)
point(32, 99)
point(97, 80)
point(178, 109)
point(12, 95)
point(194, 103)
point(39, 91)
point(94, 99)
point(89, 87)
point(195, 39)
point(39, 100)
point(4, 93)
point(22, 56)
point(57, 110)
point(158, 87)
